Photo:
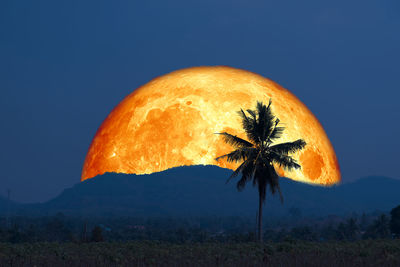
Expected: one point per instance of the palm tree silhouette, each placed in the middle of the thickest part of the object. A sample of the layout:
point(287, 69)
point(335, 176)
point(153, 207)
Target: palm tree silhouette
point(258, 154)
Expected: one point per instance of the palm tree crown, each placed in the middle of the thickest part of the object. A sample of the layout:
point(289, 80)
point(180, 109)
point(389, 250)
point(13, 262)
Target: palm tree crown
point(258, 155)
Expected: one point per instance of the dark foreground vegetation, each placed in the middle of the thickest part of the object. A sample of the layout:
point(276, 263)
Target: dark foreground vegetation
point(353, 240)
point(153, 253)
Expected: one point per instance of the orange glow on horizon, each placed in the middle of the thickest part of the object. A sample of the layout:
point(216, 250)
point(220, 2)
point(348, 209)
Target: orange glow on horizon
point(171, 122)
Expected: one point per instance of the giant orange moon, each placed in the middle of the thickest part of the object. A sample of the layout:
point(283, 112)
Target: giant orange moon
point(172, 120)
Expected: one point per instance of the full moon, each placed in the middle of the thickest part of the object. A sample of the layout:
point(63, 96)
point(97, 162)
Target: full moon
point(172, 120)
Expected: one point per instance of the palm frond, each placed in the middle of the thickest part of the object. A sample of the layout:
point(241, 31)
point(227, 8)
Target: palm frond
point(241, 183)
point(284, 161)
point(257, 161)
point(289, 147)
point(280, 193)
point(247, 175)
point(262, 187)
point(244, 117)
point(265, 120)
point(248, 124)
point(275, 182)
point(235, 141)
point(239, 154)
point(233, 156)
point(276, 132)
point(252, 114)
point(238, 170)
point(271, 179)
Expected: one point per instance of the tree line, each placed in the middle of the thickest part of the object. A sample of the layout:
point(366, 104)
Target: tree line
point(61, 228)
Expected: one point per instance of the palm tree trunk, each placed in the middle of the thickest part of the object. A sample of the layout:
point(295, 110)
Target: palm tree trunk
point(260, 203)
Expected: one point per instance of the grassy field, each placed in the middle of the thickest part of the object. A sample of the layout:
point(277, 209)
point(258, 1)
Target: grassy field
point(152, 253)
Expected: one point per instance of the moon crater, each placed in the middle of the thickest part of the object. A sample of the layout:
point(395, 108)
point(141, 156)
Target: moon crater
point(312, 163)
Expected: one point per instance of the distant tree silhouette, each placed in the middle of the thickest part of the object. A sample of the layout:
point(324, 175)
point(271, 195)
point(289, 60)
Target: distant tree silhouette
point(56, 230)
point(395, 221)
point(258, 154)
point(380, 228)
point(15, 234)
point(97, 234)
point(303, 233)
point(364, 222)
point(341, 232)
point(350, 230)
point(328, 233)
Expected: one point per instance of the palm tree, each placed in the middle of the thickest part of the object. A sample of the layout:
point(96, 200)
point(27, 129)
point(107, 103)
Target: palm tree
point(258, 154)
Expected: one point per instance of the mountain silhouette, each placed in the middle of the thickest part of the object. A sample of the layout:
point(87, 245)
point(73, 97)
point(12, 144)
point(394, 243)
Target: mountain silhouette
point(202, 191)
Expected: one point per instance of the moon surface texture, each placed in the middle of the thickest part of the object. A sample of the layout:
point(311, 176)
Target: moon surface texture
point(172, 120)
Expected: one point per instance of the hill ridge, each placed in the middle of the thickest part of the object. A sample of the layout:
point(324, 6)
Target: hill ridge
point(202, 190)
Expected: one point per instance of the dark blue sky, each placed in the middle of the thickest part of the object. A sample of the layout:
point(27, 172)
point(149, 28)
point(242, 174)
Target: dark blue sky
point(65, 64)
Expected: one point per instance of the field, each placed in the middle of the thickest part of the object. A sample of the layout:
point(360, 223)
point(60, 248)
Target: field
point(153, 253)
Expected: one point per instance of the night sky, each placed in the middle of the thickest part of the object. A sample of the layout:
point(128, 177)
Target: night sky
point(64, 65)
